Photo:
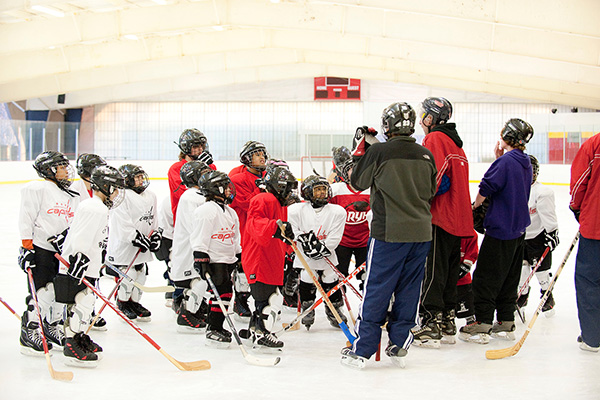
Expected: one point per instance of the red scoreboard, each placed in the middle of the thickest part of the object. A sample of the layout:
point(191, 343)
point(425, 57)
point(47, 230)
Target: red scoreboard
point(332, 88)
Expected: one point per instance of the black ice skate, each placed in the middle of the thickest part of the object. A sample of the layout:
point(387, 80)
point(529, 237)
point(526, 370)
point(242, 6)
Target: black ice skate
point(190, 323)
point(218, 338)
point(548, 307)
point(429, 335)
point(142, 313)
point(100, 324)
point(266, 342)
point(309, 319)
point(31, 338)
point(54, 334)
point(331, 317)
point(126, 309)
point(78, 353)
point(241, 309)
point(448, 327)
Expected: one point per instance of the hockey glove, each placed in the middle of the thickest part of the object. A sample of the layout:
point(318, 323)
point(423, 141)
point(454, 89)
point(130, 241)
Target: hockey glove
point(286, 230)
point(58, 240)
point(26, 258)
point(141, 241)
point(201, 260)
point(312, 246)
point(465, 268)
point(155, 240)
point(78, 265)
point(361, 142)
point(206, 157)
point(575, 213)
point(479, 216)
point(551, 239)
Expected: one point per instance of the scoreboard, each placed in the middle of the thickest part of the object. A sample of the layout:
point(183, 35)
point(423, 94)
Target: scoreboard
point(333, 88)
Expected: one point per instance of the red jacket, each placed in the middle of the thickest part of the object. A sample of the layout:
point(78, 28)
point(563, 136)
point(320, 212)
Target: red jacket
point(263, 256)
point(451, 210)
point(585, 187)
point(176, 189)
point(245, 190)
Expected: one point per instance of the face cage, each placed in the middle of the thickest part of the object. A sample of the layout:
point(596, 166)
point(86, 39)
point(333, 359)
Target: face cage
point(318, 202)
point(116, 202)
point(63, 183)
point(217, 196)
point(248, 159)
point(138, 189)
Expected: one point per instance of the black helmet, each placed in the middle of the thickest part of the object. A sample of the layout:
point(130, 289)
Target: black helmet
point(398, 118)
point(435, 111)
point(190, 138)
point(107, 179)
point(130, 171)
point(248, 150)
point(191, 172)
point(517, 132)
point(213, 185)
point(45, 164)
point(344, 169)
point(308, 186)
point(280, 181)
point(340, 155)
point(86, 163)
point(535, 164)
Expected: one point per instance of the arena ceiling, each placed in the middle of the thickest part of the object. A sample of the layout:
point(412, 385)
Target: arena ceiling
point(100, 51)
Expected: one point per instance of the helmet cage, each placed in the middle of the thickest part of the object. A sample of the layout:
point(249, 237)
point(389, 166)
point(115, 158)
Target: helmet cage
point(340, 155)
point(46, 165)
point(107, 180)
point(308, 190)
point(190, 138)
point(130, 172)
point(280, 182)
point(213, 186)
point(344, 169)
point(251, 148)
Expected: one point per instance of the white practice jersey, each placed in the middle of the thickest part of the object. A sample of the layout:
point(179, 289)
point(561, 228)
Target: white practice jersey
point(542, 211)
point(216, 232)
point(136, 213)
point(88, 234)
point(45, 211)
point(327, 223)
point(79, 187)
point(165, 217)
point(182, 256)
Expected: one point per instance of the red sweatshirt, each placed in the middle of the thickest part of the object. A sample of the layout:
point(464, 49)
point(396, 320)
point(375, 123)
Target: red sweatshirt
point(585, 187)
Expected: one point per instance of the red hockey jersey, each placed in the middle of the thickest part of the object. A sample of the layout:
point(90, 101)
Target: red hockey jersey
point(356, 203)
point(245, 190)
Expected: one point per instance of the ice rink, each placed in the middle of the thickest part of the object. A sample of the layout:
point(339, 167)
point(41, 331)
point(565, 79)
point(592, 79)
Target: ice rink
point(549, 366)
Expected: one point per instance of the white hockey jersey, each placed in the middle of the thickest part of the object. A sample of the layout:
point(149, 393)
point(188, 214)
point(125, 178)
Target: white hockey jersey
point(542, 211)
point(45, 211)
point(216, 232)
point(165, 217)
point(88, 234)
point(327, 223)
point(79, 187)
point(182, 256)
point(136, 213)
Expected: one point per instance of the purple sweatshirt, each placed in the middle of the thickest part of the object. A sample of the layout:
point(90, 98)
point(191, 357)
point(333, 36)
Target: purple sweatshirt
point(507, 184)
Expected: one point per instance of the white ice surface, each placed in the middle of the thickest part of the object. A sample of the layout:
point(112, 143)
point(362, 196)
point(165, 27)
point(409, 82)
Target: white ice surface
point(549, 366)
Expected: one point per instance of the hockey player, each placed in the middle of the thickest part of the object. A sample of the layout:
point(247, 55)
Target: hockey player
point(253, 157)
point(318, 228)
point(507, 184)
point(190, 308)
point(132, 230)
point(215, 242)
point(263, 254)
point(165, 223)
point(84, 248)
point(47, 210)
point(451, 218)
point(402, 178)
point(541, 234)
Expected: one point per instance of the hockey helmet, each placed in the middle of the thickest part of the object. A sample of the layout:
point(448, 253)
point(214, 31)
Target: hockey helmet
point(191, 172)
point(46, 164)
point(435, 111)
point(340, 155)
point(136, 178)
point(251, 148)
point(214, 184)
point(190, 138)
point(517, 132)
point(280, 182)
point(398, 118)
point(343, 170)
point(535, 165)
point(308, 190)
point(86, 163)
point(108, 180)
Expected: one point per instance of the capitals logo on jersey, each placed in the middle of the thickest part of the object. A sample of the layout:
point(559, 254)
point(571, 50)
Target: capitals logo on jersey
point(60, 210)
point(224, 235)
point(320, 235)
point(148, 216)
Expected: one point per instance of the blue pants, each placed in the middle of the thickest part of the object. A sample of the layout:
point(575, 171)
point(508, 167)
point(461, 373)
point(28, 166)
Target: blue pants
point(392, 269)
point(587, 289)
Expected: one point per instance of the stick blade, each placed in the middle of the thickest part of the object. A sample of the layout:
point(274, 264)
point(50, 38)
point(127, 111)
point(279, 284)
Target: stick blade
point(65, 376)
point(156, 289)
point(295, 327)
point(262, 362)
point(195, 365)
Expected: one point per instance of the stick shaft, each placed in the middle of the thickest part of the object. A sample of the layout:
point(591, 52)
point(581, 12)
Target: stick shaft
point(10, 308)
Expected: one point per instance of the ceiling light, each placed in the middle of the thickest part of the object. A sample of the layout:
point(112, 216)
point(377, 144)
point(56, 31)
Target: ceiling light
point(130, 37)
point(47, 10)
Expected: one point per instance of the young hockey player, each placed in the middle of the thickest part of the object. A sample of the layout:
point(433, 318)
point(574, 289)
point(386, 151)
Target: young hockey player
point(541, 234)
point(84, 248)
point(215, 242)
point(253, 157)
point(190, 308)
point(451, 218)
point(47, 210)
point(402, 178)
point(318, 227)
point(133, 230)
point(165, 223)
point(507, 184)
point(263, 254)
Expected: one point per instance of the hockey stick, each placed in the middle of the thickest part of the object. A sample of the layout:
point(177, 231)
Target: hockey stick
point(338, 273)
point(511, 351)
point(10, 308)
point(184, 366)
point(339, 320)
point(526, 284)
point(337, 287)
point(58, 375)
point(262, 362)
point(150, 289)
point(311, 163)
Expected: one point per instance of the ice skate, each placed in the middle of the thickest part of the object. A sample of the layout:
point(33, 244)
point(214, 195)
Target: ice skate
point(396, 354)
point(429, 335)
point(218, 338)
point(586, 347)
point(124, 307)
point(77, 352)
point(54, 334)
point(477, 332)
point(504, 330)
point(92, 346)
point(100, 324)
point(241, 309)
point(548, 307)
point(448, 328)
point(265, 342)
point(142, 313)
point(31, 339)
point(331, 317)
point(190, 323)
point(352, 360)
point(309, 319)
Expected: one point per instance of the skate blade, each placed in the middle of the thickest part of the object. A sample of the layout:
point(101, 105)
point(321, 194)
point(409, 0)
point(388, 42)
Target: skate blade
point(73, 362)
point(480, 338)
point(428, 343)
point(399, 362)
point(169, 303)
point(266, 350)
point(550, 313)
point(28, 351)
point(504, 335)
point(447, 339)
point(353, 362)
point(144, 319)
point(55, 347)
point(190, 330)
point(99, 328)
point(213, 344)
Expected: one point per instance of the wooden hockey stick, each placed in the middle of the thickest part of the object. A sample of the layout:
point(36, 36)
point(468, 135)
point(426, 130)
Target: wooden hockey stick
point(261, 362)
point(149, 289)
point(315, 280)
point(65, 376)
point(511, 351)
point(10, 309)
point(526, 284)
point(184, 366)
